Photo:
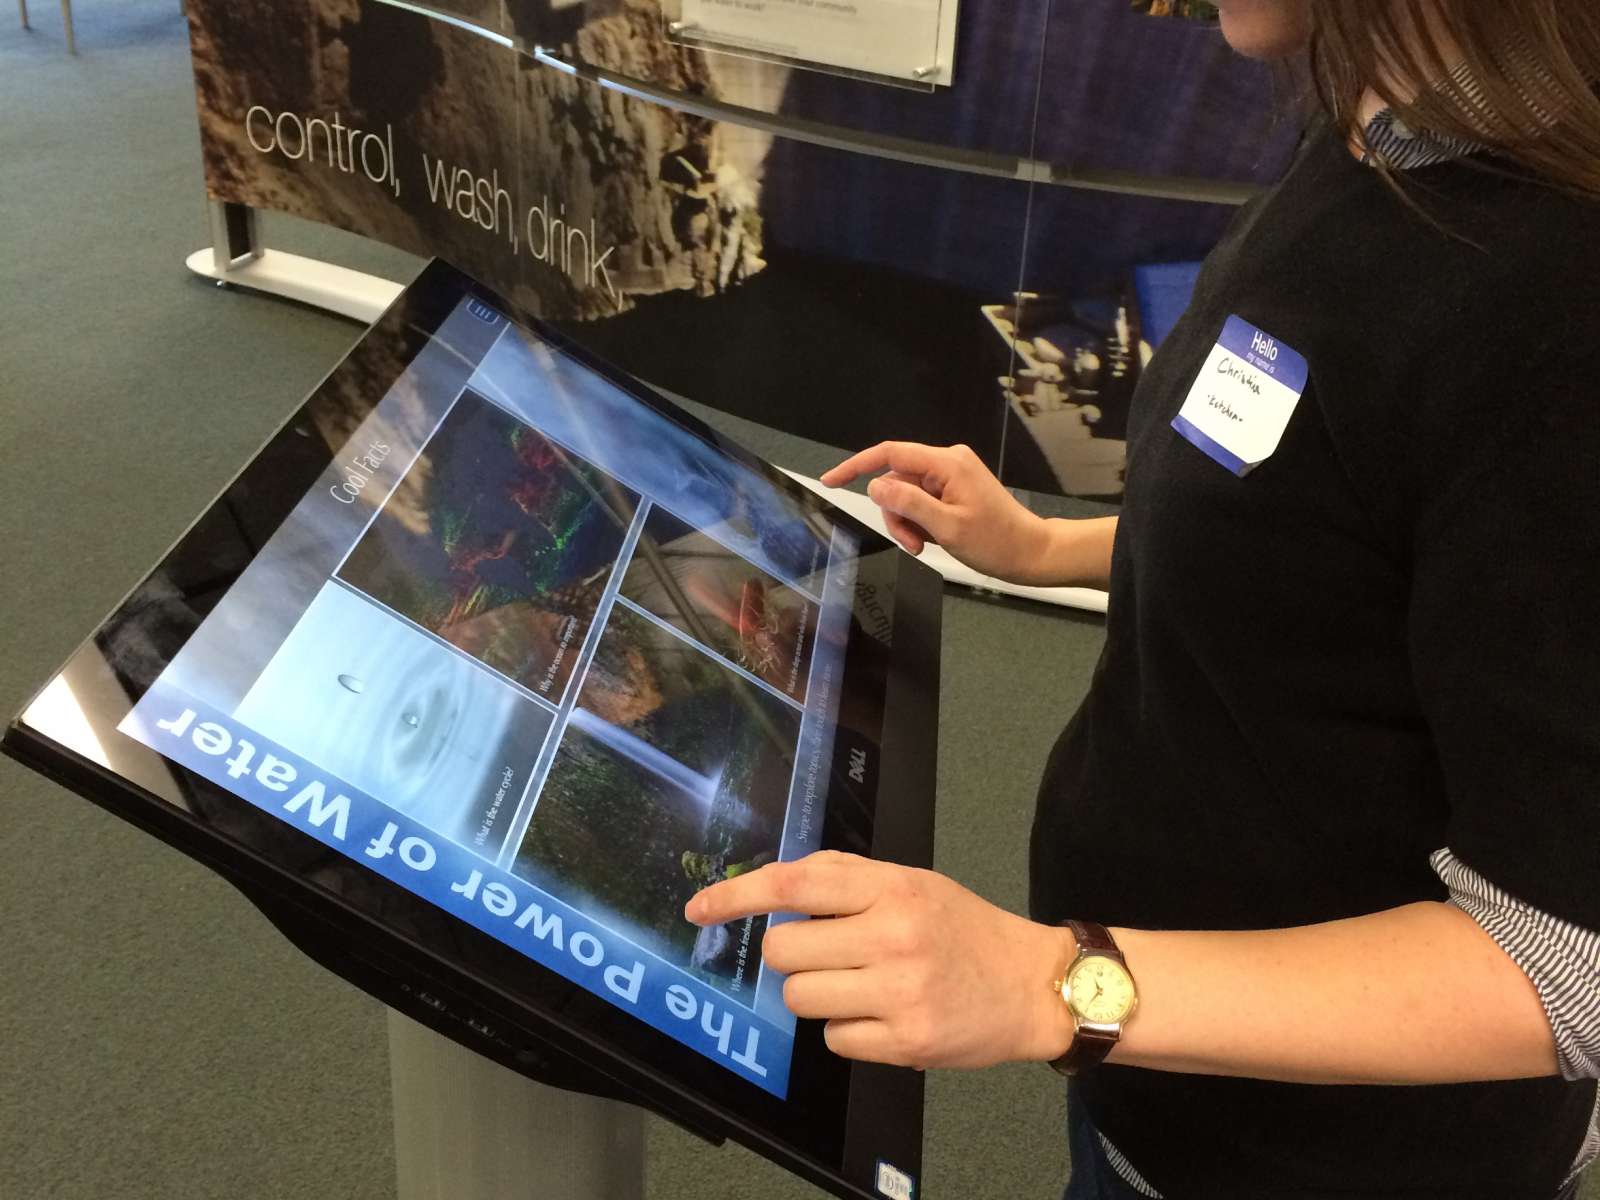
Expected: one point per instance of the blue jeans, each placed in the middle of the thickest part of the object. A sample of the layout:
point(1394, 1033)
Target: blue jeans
point(1092, 1177)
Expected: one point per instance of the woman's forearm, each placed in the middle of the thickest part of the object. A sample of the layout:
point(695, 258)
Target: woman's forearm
point(918, 971)
point(1419, 994)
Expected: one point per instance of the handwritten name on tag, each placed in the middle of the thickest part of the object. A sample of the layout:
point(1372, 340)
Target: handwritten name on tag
point(1242, 399)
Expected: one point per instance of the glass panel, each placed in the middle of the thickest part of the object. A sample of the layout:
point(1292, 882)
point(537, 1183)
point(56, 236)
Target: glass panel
point(1154, 131)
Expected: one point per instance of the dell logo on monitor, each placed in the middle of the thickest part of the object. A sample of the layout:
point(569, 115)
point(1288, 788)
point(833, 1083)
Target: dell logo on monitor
point(858, 765)
point(895, 1183)
point(483, 312)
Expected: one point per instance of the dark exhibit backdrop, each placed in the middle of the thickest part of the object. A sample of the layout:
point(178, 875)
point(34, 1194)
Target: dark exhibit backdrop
point(835, 292)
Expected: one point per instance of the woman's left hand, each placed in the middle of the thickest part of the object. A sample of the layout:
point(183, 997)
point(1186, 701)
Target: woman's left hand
point(913, 970)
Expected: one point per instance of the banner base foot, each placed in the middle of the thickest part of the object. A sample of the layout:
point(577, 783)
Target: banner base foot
point(322, 285)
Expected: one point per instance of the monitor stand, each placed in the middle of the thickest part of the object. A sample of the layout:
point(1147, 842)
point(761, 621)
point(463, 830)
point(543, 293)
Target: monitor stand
point(466, 1128)
point(477, 1116)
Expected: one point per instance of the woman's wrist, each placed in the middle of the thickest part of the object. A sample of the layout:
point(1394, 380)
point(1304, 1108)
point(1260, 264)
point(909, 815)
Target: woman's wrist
point(1050, 1027)
point(1073, 552)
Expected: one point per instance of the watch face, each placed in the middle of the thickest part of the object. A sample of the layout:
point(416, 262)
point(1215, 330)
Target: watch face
point(1101, 991)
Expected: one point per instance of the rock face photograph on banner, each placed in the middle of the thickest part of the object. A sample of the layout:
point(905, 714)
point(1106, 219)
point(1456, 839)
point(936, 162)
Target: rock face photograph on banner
point(487, 14)
point(365, 116)
point(827, 290)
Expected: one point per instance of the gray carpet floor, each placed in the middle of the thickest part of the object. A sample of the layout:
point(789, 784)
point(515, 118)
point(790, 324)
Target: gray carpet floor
point(157, 1038)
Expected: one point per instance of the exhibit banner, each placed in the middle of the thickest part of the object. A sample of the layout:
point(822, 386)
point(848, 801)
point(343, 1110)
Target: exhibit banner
point(825, 255)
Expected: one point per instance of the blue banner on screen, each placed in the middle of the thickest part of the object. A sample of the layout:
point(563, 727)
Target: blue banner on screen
point(507, 908)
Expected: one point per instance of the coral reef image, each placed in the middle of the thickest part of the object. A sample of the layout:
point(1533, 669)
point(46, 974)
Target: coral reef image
point(673, 774)
point(723, 601)
point(735, 505)
point(499, 542)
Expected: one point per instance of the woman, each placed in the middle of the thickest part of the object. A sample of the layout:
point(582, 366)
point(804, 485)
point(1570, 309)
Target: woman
point(1334, 795)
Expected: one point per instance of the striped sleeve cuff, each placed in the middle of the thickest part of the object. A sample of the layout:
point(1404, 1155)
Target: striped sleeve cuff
point(1124, 1169)
point(1562, 960)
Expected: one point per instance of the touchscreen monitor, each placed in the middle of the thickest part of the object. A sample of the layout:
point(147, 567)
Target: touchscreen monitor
point(482, 667)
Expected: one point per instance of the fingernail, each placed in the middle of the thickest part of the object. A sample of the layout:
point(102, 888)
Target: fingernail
point(691, 910)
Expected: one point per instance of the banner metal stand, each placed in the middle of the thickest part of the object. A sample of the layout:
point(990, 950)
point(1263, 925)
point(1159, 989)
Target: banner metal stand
point(237, 258)
point(468, 1129)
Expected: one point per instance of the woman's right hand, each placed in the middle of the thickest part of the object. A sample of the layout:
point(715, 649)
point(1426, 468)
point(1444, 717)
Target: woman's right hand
point(945, 495)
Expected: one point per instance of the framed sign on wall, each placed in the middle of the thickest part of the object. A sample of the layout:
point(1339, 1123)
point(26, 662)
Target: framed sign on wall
point(909, 41)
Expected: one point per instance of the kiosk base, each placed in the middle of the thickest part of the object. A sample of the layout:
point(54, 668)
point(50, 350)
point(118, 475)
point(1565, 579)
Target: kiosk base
point(468, 1129)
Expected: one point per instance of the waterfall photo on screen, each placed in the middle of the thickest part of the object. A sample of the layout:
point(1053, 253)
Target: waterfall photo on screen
point(674, 773)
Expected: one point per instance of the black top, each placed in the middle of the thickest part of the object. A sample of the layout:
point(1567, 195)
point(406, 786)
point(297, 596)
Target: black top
point(1383, 641)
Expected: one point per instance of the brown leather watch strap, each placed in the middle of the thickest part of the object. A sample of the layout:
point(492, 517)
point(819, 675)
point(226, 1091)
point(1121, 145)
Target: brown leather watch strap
point(1089, 1049)
point(1090, 1045)
point(1092, 936)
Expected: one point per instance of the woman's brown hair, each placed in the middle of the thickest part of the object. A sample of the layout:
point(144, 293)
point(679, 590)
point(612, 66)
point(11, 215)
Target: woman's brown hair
point(1516, 77)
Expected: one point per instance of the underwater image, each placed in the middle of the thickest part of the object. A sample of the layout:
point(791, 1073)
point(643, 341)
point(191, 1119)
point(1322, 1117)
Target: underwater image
point(390, 711)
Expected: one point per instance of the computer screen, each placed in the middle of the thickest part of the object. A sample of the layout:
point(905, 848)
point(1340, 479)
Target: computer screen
point(497, 657)
point(546, 659)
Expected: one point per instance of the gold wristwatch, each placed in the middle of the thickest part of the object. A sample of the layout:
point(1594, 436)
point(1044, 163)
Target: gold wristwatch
point(1099, 991)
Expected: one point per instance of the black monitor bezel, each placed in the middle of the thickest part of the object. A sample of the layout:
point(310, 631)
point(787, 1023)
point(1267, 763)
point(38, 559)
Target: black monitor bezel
point(837, 1121)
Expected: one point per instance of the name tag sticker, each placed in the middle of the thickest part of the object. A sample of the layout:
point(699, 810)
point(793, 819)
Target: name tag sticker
point(1243, 398)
